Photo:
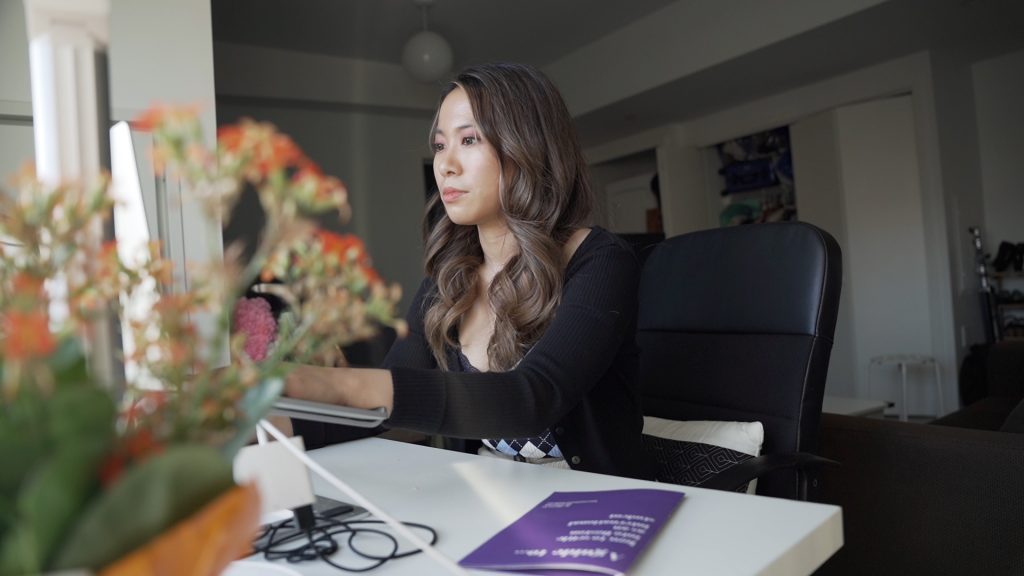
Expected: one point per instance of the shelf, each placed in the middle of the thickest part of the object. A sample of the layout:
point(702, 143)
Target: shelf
point(1003, 275)
point(1012, 305)
point(753, 191)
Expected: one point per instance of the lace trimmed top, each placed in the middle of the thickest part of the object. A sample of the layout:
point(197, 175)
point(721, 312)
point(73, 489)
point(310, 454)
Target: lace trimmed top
point(531, 448)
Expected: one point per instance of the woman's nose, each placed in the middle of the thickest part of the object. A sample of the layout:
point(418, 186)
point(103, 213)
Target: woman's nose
point(447, 163)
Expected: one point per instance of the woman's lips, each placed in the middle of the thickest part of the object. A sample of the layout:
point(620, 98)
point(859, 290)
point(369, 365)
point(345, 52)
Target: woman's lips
point(451, 194)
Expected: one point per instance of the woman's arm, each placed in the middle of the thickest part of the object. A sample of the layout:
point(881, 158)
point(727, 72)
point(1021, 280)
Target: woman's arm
point(597, 313)
point(585, 340)
point(362, 387)
point(356, 387)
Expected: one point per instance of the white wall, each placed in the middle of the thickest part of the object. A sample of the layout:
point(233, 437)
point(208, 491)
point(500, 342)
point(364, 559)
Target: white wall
point(16, 148)
point(957, 142)
point(820, 201)
point(999, 97)
point(613, 174)
point(685, 202)
point(15, 91)
point(16, 142)
point(886, 260)
point(253, 72)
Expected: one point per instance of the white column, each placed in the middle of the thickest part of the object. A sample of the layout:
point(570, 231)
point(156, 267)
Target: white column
point(71, 117)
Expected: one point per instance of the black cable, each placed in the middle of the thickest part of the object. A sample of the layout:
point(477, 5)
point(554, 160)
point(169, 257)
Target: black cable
point(305, 540)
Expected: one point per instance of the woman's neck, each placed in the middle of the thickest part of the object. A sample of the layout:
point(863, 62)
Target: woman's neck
point(498, 245)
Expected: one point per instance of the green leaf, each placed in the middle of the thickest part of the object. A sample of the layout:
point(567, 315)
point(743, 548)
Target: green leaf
point(68, 363)
point(81, 413)
point(254, 406)
point(19, 455)
point(47, 505)
point(148, 499)
point(23, 442)
point(77, 421)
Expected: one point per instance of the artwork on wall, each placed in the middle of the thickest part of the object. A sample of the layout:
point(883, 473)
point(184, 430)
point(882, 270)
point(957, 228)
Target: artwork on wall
point(757, 176)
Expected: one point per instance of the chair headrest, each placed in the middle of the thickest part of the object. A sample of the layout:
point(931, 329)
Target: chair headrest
point(757, 278)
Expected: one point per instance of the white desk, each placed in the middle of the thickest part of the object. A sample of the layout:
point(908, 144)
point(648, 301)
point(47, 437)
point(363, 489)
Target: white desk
point(468, 499)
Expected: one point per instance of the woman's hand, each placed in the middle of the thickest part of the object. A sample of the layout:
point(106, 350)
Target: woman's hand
point(356, 387)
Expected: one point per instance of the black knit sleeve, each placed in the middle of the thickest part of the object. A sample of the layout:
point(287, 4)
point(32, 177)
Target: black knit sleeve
point(598, 308)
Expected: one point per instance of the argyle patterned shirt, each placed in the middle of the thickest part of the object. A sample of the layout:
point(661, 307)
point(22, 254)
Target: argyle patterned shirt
point(531, 448)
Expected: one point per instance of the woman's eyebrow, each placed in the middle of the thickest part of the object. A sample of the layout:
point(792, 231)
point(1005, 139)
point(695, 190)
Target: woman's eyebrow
point(438, 131)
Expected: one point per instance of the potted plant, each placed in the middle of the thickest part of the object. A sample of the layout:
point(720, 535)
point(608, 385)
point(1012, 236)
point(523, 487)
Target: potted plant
point(138, 480)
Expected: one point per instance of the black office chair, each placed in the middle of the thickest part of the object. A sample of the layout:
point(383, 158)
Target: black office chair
point(736, 324)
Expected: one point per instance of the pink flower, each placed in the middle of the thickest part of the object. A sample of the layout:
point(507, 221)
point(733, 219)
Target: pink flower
point(254, 319)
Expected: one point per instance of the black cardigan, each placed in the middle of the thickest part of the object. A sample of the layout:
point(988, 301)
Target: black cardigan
point(578, 380)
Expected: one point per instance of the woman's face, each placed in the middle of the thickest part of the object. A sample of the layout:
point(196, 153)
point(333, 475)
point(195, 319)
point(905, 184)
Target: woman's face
point(466, 166)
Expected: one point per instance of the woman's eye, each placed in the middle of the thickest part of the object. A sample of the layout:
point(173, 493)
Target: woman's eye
point(437, 147)
point(469, 140)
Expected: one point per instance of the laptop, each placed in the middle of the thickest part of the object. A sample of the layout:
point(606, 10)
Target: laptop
point(329, 413)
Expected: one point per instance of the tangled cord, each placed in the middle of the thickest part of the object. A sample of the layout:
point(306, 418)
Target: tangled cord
point(320, 541)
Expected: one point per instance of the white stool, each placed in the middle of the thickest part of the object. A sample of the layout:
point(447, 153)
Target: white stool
point(902, 361)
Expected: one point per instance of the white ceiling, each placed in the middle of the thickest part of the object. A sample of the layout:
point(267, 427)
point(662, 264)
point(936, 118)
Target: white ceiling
point(530, 31)
point(970, 29)
point(542, 31)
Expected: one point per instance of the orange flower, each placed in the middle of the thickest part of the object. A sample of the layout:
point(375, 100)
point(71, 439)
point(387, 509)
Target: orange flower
point(27, 285)
point(332, 189)
point(162, 114)
point(308, 170)
point(141, 444)
point(371, 275)
point(230, 137)
point(149, 402)
point(108, 263)
point(346, 247)
point(177, 353)
point(340, 244)
point(151, 118)
point(279, 153)
point(285, 151)
point(27, 335)
point(111, 469)
point(135, 447)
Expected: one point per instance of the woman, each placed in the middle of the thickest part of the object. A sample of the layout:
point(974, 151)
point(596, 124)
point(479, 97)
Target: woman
point(522, 334)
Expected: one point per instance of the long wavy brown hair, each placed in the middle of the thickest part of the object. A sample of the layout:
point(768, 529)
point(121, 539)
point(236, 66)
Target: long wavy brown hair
point(545, 196)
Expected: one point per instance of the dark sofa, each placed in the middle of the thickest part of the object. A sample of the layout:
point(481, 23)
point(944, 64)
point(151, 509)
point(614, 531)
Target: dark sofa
point(926, 499)
point(940, 498)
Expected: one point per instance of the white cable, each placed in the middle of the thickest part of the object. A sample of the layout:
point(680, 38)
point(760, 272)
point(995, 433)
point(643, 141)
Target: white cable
point(395, 525)
point(261, 435)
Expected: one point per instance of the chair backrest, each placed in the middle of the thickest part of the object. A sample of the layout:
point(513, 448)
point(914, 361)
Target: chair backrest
point(736, 324)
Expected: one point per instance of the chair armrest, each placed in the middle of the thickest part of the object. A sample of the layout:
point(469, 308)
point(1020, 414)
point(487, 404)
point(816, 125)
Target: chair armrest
point(733, 478)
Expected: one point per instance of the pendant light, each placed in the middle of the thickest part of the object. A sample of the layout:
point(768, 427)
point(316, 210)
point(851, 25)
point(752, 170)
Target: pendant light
point(427, 56)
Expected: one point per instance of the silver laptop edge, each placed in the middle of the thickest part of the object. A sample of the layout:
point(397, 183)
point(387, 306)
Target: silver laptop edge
point(329, 413)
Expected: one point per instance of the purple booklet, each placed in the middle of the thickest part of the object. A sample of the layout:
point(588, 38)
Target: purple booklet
point(579, 533)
